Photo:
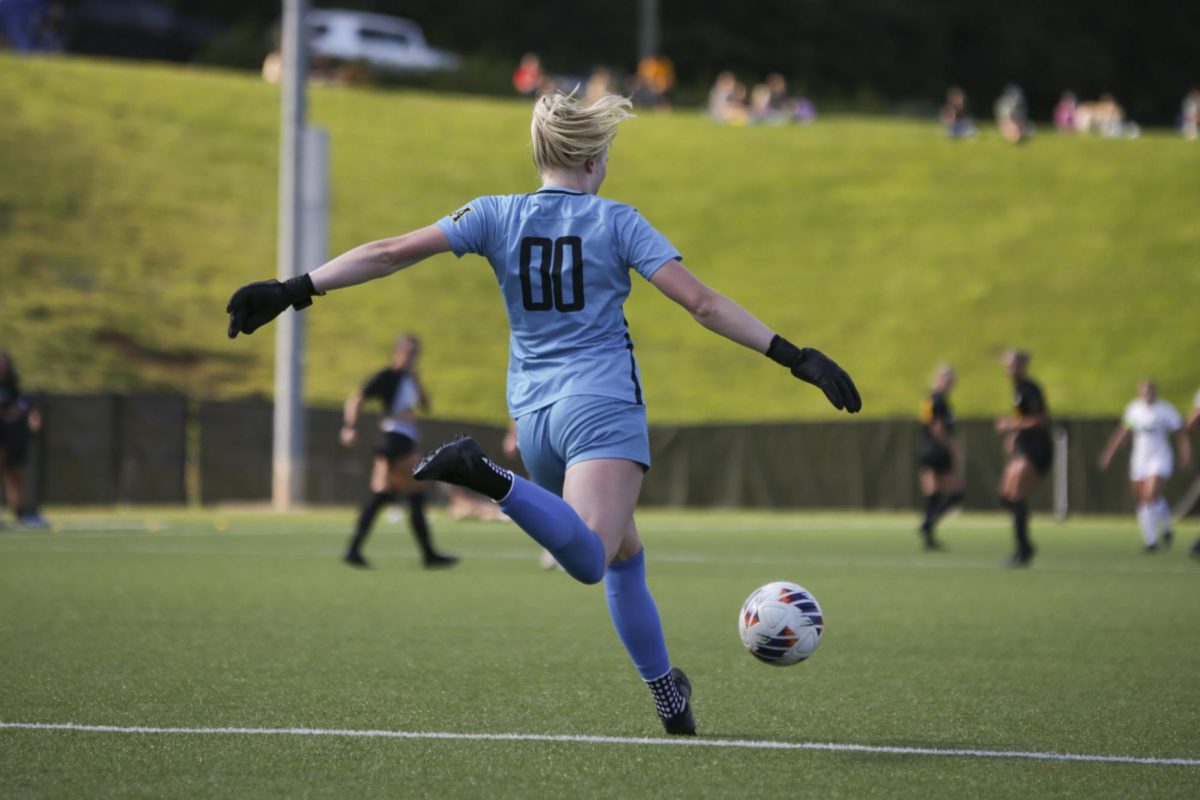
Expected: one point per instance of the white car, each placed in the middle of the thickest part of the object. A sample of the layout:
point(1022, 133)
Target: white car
point(388, 43)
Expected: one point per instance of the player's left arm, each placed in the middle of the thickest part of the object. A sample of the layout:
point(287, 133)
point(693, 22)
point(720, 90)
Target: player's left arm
point(256, 304)
point(722, 316)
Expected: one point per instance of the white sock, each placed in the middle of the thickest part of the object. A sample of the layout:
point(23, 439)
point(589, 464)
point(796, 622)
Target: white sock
point(1162, 513)
point(1146, 519)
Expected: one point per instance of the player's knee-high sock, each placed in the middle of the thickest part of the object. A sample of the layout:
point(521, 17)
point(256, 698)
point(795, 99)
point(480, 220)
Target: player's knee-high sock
point(1162, 513)
point(419, 525)
point(1148, 523)
point(554, 525)
point(635, 617)
point(366, 518)
point(932, 503)
point(1020, 514)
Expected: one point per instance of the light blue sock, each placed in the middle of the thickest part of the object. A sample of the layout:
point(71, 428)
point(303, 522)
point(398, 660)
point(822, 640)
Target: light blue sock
point(554, 525)
point(635, 616)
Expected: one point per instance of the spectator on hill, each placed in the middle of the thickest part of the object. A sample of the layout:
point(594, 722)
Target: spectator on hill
point(1012, 115)
point(1064, 113)
point(1189, 116)
point(23, 25)
point(598, 85)
point(399, 389)
point(956, 116)
point(1151, 421)
point(1029, 450)
point(655, 77)
point(1105, 117)
point(727, 100)
point(771, 104)
point(528, 77)
point(940, 456)
point(20, 419)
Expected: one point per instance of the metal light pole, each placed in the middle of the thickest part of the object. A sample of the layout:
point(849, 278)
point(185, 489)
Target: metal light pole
point(287, 462)
point(648, 12)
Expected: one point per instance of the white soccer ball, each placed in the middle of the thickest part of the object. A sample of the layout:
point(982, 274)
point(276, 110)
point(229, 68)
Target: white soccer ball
point(781, 623)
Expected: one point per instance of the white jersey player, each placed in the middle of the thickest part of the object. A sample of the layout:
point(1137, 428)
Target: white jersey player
point(1150, 421)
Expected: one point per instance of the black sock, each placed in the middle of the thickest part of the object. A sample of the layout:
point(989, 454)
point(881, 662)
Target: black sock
point(933, 503)
point(366, 518)
point(494, 482)
point(1020, 513)
point(952, 500)
point(420, 527)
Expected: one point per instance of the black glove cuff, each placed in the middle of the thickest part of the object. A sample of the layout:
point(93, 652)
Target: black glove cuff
point(299, 291)
point(783, 352)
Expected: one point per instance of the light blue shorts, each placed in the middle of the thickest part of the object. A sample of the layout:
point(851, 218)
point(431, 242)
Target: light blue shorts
point(581, 428)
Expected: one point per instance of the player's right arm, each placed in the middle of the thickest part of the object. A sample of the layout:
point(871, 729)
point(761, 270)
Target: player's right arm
point(1114, 443)
point(722, 316)
point(256, 304)
point(350, 411)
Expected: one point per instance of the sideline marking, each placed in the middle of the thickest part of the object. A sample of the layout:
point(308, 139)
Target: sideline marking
point(748, 744)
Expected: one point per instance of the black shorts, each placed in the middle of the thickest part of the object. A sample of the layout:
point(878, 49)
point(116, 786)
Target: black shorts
point(14, 442)
point(936, 456)
point(394, 446)
point(1036, 446)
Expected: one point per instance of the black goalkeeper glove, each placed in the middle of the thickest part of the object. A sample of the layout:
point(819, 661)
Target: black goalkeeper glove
point(256, 304)
point(813, 366)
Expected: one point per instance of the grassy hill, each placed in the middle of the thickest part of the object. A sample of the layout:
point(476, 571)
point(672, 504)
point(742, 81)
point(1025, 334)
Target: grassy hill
point(135, 198)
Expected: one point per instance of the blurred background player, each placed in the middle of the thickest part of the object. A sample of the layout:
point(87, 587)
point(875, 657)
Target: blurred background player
point(1029, 450)
point(1193, 425)
point(399, 389)
point(1151, 420)
point(573, 382)
point(19, 420)
point(940, 458)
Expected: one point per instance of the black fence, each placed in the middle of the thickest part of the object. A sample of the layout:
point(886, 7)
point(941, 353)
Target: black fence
point(105, 449)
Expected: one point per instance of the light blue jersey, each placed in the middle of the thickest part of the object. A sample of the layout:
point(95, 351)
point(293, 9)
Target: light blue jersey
point(562, 260)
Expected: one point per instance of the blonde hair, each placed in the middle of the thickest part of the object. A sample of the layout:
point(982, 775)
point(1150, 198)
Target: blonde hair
point(566, 134)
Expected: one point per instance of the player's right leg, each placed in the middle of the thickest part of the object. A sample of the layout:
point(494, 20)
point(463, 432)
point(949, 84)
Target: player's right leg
point(381, 495)
point(1020, 476)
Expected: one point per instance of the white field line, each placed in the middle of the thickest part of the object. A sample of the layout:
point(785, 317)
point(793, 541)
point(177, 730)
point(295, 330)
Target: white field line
point(79, 545)
point(625, 740)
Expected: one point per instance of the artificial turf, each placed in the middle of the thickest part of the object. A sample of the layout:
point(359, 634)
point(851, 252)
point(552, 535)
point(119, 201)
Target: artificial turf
point(247, 619)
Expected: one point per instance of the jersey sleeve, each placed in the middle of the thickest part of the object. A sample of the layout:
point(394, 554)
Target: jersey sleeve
point(641, 246)
point(470, 228)
point(1173, 419)
point(1031, 399)
point(377, 385)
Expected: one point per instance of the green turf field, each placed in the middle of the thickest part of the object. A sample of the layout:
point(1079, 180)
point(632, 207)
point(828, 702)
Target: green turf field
point(247, 620)
point(135, 198)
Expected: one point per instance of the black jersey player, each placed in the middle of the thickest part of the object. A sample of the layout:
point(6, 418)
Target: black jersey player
point(399, 389)
point(940, 458)
point(19, 420)
point(1029, 449)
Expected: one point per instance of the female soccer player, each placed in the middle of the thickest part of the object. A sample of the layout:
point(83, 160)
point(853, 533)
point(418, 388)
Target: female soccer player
point(399, 389)
point(1151, 420)
point(940, 458)
point(19, 421)
point(1029, 449)
point(562, 258)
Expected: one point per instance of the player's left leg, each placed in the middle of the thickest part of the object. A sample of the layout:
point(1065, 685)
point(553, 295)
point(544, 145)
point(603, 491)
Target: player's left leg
point(1020, 476)
point(403, 483)
point(381, 495)
point(1160, 512)
point(604, 492)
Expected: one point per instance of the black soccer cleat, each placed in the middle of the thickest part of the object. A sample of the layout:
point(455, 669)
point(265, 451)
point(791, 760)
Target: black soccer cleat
point(1019, 559)
point(355, 559)
point(681, 724)
point(1168, 538)
point(462, 462)
point(440, 561)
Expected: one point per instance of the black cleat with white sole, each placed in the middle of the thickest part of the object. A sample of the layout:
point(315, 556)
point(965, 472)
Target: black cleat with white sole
point(462, 462)
point(681, 724)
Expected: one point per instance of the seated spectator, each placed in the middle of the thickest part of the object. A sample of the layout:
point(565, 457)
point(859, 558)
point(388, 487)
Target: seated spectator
point(1189, 117)
point(1064, 113)
point(727, 100)
point(527, 78)
point(599, 84)
point(955, 116)
point(654, 78)
point(770, 103)
point(1012, 115)
point(1105, 117)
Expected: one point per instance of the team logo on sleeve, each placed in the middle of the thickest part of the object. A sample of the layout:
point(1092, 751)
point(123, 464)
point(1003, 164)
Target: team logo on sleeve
point(462, 212)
